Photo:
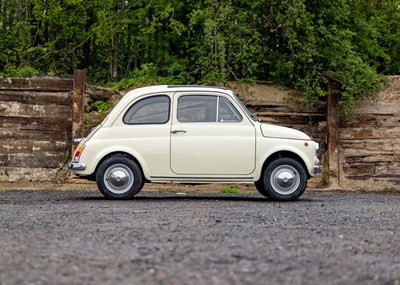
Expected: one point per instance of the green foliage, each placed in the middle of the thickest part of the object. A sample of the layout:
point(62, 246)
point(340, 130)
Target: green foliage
point(229, 190)
point(25, 71)
point(319, 37)
point(86, 122)
point(148, 74)
point(102, 106)
point(134, 43)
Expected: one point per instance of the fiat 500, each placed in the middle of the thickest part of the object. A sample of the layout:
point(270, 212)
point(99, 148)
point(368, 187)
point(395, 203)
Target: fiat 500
point(193, 134)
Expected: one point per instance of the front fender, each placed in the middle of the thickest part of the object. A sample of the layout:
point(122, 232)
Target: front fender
point(305, 150)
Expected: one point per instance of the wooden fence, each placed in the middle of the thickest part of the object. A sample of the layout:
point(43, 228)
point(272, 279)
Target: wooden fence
point(39, 117)
point(369, 143)
point(35, 127)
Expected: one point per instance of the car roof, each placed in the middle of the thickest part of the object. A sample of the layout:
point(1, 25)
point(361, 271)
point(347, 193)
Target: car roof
point(196, 87)
point(159, 89)
point(174, 88)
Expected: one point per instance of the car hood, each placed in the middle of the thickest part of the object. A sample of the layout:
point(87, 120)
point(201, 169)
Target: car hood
point(272, 131)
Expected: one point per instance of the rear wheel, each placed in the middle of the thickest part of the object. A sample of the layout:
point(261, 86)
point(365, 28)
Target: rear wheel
point(284, 179)
point(118, 177)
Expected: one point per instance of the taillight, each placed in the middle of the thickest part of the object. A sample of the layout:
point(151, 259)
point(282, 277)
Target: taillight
point(78, 153)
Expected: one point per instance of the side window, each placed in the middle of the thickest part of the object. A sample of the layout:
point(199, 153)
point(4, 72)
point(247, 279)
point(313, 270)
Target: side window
point(227, 112)
point(150, 110)
point(197, 108)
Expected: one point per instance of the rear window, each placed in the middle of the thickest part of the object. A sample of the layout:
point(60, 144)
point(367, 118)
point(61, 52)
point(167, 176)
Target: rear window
point(150, 110)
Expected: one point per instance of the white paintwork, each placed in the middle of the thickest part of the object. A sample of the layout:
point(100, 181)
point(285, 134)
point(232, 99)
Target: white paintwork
point(202, 152)
point(212, 148)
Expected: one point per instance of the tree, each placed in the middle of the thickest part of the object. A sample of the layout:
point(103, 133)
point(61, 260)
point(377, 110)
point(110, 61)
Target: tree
point(291, 42)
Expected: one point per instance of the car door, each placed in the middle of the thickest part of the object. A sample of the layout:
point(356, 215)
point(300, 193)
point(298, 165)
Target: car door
point(210, 136)
point(144, 132)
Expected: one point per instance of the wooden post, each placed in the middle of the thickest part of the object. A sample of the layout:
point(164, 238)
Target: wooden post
point(78, 97)
point(333, 134)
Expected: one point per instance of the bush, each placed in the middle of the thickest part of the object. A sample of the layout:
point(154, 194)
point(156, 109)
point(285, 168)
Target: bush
point(12, 71)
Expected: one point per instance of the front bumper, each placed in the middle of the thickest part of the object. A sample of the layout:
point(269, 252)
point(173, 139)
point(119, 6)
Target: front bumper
point(76, 166)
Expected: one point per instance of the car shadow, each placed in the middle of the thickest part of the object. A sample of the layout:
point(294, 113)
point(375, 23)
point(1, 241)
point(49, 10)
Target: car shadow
point(210, 198)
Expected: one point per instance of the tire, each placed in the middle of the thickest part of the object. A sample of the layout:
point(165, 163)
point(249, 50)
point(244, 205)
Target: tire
point(284, 179)
point(118, 177)
point(260, 188)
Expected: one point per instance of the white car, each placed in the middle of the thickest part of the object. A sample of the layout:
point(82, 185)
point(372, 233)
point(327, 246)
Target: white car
point(193, 134)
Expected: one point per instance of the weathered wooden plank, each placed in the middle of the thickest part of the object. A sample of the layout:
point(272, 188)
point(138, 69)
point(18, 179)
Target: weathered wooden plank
point(370, 158)
point(38, 98)
point(15, 109)
point(321, 117)
point(38, 135)
point(381, 169)
point(291, 120)
point(377, 183)
point(19, 127)
point(378, 108)
point(362, 133)
point(371, 121)
point(13, 174)
point(13, 120)
point(31, 160)
point(372, 145)
point(51, 135)
point(45, 84)
point(387, 169)
point(14, 146)
point(285, 108)
point(358, 169)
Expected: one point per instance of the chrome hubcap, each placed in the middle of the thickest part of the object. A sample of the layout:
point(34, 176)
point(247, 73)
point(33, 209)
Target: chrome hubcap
point(118, 178)
point(285, 179)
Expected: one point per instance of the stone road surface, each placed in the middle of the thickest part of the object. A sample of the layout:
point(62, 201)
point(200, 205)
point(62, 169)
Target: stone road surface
point(175, 236)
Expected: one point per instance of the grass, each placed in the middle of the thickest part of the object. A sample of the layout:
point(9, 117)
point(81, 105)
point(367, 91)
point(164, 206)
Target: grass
point(229, 190)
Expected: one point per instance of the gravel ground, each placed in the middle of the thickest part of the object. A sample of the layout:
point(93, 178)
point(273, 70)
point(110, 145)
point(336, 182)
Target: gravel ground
point(167, 235)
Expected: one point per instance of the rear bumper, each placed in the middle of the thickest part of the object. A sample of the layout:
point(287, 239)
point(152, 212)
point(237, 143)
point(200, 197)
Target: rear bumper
point(76, 166)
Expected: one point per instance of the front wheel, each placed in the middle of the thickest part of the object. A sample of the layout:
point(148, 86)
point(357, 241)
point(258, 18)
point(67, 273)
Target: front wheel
point(284, 179)
point(118, 177)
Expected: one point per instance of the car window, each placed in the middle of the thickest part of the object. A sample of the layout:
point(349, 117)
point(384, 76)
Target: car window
point(203, 108)
point(227, 112)
point(150, 110)
point(197, 108)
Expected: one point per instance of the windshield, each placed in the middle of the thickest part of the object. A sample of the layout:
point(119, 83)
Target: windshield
point(243, 106)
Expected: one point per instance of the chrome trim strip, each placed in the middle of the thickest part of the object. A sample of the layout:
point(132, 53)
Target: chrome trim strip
point(201, 178)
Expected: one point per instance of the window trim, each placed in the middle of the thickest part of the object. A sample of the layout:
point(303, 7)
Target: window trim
point(216, 120)
point(152, 123)
point(236, 110)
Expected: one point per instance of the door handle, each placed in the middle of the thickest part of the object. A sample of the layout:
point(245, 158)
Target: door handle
point(178, 131)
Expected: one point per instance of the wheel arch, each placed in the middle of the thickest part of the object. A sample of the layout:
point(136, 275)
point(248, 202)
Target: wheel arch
point(281, 154)
point(122, 153)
